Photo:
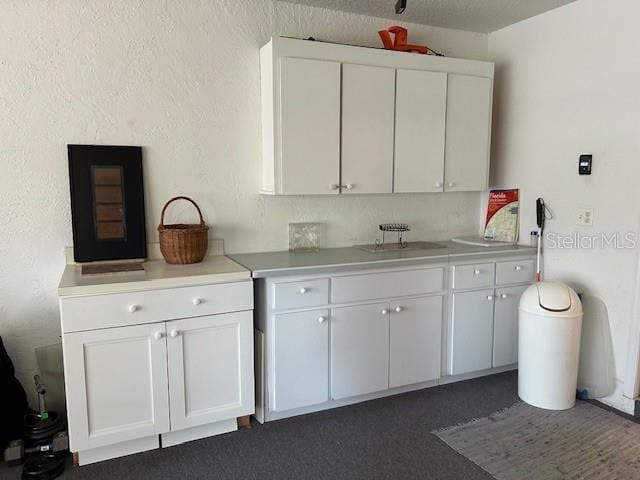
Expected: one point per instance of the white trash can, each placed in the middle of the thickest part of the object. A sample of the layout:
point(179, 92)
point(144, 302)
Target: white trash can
point(549, 345)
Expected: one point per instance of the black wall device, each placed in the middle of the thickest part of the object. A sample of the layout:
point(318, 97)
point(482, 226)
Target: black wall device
point(584, 164)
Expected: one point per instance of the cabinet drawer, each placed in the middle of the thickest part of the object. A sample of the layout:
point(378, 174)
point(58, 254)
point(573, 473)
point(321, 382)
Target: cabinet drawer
point(354, 288)
point(516, 271)
point(119, 309)
point(473, 276)
point(300, 294)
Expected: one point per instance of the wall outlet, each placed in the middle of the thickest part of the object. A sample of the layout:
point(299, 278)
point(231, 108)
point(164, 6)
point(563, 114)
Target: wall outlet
point(585, 217)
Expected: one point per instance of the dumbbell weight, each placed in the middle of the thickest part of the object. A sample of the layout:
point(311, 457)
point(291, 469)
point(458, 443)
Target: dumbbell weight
point(15, 452)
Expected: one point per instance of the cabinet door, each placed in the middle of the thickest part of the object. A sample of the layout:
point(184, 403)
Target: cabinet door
point(210, 364)
point(367, 128)
point(301, 360)
point(415, 341)
point(472, 331)
point(505, 327)
point(359, 350)
point(468, 133)
point(310, 126)
point(421, 102)
point(116, 385)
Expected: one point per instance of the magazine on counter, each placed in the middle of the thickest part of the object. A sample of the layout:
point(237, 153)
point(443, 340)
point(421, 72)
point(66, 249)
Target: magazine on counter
point(501, 223)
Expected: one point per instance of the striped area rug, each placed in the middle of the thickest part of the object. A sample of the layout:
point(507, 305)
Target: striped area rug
point(528, 443)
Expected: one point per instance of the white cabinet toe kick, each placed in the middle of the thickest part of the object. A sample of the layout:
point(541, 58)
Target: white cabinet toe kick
point(337, 338)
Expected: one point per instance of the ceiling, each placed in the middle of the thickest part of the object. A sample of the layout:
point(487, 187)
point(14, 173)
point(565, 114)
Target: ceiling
point(473, 15)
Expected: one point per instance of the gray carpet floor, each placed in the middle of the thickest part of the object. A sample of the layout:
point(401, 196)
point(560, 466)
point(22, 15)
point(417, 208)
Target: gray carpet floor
point(387, 438)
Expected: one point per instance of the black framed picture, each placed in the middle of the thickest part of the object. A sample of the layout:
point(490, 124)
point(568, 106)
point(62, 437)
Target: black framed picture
point(107, 202)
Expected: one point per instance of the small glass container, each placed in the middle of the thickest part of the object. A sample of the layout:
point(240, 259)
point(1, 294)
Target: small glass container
point(304, 237)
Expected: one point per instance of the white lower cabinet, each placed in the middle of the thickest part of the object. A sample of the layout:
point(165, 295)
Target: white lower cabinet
point(472, 331)
point(359, 350)
point(116, 385)
point(209, 369)
point(505, 329)
point(301, 360)
point(415, 341)
point(180, 379)
point(384, 331)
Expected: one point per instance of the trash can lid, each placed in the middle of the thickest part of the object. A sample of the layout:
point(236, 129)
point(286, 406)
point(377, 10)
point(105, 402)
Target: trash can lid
point(554, 297)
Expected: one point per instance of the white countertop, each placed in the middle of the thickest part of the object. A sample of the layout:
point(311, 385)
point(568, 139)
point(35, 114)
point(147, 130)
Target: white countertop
point(268, 264)
point(157, 274)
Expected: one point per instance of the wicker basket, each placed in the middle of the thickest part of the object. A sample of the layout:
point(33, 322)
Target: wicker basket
point(183, 244)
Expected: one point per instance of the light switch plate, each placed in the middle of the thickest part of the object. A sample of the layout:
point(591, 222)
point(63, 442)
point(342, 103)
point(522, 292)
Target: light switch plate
point(585, 217)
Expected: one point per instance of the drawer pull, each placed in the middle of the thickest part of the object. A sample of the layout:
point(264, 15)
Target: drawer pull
point(518, 267)
point(157, 335)
point(398, 309)
point(174, 333)
point(303, 290)
point(451, 185)
point(384, 311)
point(504, 296)
point(477, 272)
point(197, 301)
point(321, 319)
point(489, 297)
point(133, 308)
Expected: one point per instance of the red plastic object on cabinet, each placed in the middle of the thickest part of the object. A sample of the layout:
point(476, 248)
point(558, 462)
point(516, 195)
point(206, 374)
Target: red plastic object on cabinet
point(399, 41)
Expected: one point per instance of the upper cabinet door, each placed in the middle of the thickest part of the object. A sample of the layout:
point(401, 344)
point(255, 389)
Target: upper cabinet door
point(421, 104)
point(368, 98)
point(468, 133)
point(310, 126)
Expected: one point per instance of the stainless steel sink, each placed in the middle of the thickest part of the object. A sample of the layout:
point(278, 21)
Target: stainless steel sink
point(395, 247)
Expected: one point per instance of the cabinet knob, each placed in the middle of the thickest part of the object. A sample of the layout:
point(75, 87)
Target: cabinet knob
point(350, 186)
point(334, 186)
point(321, 319)
point(451, 184)
point(174, 333)
point(197, 301)
point(438, 185)
point(477, 272)
point(133, 308)
point(303, 290)
point(384, 311)
point(489, 297)
point(398, 309)
point(158, 335)
point(518, 267)
point(504, 295)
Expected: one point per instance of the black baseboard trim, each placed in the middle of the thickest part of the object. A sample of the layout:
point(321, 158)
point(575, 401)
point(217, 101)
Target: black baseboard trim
point(633, 418)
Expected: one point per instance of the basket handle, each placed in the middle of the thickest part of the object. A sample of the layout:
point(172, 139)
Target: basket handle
point(164, 209)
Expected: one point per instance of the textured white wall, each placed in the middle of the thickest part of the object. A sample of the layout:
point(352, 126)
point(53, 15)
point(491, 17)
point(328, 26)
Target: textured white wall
point(183, 82)
point(566, 84)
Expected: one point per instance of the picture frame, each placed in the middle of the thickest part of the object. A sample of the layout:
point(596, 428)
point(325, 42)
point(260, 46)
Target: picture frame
point(107, 203)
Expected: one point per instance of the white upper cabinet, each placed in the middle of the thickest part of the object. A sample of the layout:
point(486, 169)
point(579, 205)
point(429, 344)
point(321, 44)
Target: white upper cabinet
point(310, 122)
point(421, 106)
point(367, 129)
point(341, 119)
point(468, 131)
